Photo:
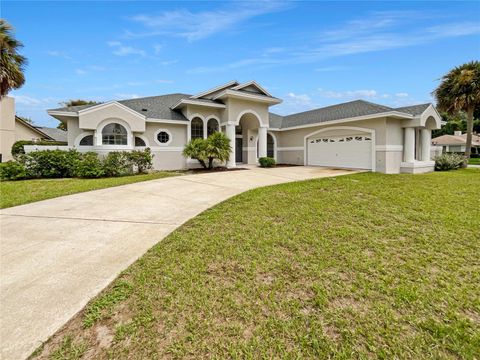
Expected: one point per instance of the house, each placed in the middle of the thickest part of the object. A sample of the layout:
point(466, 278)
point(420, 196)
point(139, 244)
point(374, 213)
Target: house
point(356, 134)
point(14, 128)
point(457, 142)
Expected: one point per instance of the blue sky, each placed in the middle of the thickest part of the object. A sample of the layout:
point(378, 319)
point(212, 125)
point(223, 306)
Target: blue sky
point(310, 54)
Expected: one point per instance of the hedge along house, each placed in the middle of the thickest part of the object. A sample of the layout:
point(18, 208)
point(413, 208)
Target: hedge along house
point(357, 134)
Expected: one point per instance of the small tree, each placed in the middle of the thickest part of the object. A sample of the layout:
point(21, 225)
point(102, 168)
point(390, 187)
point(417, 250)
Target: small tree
point(460, 91)
point(206, 151)
point(196, 149)
point(217, 147)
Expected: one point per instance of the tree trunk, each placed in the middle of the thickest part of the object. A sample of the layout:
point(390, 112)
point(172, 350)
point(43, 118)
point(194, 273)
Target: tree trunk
point(210, 162)
point(468, 145)
point(202, 162)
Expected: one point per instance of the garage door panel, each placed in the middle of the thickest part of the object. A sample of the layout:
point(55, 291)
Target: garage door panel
point(350, 151)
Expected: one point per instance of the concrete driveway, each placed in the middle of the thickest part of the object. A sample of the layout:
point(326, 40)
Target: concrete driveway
point(57, 254)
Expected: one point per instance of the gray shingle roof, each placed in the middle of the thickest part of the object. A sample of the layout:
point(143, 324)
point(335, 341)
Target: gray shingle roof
point(414, 109)
point(54, 133)
point(340, 111)
point(157, 107)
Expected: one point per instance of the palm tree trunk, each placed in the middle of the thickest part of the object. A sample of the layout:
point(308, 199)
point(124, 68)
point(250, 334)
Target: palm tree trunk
point(468, 145)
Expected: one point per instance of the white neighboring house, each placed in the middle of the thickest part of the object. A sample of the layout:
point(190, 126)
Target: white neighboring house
point(457, 142)
point(356, 134)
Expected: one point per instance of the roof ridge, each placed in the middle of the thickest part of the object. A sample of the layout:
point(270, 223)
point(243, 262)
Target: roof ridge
point(339, 104)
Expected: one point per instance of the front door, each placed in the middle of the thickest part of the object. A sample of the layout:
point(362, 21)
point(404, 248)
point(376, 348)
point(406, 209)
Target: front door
point(238, 150)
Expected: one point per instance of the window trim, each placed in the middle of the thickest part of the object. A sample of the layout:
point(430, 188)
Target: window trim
point(218, 125)
point(170, 137)
point(83, 137)
point(202, 127)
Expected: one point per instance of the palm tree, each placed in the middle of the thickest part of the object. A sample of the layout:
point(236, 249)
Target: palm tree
point(11, 62)
point(459, 90)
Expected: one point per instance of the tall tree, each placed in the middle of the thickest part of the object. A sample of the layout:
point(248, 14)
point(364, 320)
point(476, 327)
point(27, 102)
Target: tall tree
point(459, 90)
point(12, 64)
point(78, 102)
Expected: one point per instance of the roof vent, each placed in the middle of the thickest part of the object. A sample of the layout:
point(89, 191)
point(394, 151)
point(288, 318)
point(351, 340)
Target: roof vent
point(144, 109)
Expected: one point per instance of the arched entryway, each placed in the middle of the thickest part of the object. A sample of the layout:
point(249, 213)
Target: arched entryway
point(247, 132)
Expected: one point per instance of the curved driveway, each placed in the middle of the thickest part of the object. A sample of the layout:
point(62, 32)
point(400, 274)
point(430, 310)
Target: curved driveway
point(57, 254)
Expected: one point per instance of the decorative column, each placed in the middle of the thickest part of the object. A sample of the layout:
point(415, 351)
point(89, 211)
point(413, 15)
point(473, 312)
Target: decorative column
point(425, 140)
point(409, 145)
point(262, 141)
point(230, 132)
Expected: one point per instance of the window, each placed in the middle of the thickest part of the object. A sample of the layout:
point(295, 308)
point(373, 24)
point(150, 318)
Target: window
point(139, 141)
point(270, 146)
point(87, 141)
point(163, 137)
point(114, 134)
point(196, 128)
point(212, 126)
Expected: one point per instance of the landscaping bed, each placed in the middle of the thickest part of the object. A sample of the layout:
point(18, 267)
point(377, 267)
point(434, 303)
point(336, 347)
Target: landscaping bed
point(360, 266)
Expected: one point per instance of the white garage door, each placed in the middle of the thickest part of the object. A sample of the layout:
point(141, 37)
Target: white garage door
point(348, 151)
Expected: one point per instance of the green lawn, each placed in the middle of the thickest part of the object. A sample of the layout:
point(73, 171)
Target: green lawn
point(20, 192)
point(474, 161)
point(359, 266)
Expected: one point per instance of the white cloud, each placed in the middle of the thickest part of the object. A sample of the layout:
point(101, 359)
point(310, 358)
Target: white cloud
point(126, 96)
point(199, 25)
point(80, 71)
point(57, 53)
point(157, 49)
point(293, 103)
point(27, 100)
point(380, 31)
point(349, 94)
point(122, 50)
point(401, 94)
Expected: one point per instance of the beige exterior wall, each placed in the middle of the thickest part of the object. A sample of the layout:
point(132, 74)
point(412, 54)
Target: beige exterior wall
point(235, 107)
point(92, 119)
point(178, 134)
point(7, 127)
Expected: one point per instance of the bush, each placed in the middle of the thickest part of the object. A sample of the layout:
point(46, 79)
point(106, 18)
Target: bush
point(205, 151)
point(51, 163)
point(447, 162)
point(267, 162)
point(89, 166)
point(116, 163)
point(17, 147)
point(12, 170)
point(142, 160)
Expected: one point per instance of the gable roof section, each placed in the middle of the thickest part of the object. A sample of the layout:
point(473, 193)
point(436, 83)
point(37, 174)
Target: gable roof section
point(54, 133)
point(33, 128)
point(252, 85)
point(215, 89)
point(414, 109)
point(155, 107)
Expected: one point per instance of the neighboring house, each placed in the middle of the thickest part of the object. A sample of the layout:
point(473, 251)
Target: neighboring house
point(457, 142)
point(356, 134)
point(13, 129)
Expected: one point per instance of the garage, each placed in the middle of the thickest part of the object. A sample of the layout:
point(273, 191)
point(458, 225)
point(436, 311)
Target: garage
point(344, 151)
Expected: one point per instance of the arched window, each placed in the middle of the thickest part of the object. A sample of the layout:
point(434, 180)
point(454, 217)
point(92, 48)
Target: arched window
point(114, 134)
point(197, 128)
point(87, 141)
point(212, 126)
point(139, 141)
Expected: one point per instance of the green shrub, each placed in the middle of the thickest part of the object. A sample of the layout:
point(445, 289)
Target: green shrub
point(205, 151)
point(12, 170)
point(17, 147)
point(51, 163)
point(447, 162)
point(117, 163)
point(89, 166)
point(141, 159)
point(267, 162)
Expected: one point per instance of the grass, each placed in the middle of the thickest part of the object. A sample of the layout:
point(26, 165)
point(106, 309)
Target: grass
point(21, 192)
point(474, 161)
point(360, 266)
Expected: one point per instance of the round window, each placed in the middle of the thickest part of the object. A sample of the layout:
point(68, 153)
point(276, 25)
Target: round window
point(163, 137)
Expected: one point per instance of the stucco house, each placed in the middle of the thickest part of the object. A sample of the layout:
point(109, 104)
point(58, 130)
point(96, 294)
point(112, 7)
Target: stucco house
point(457, 142)
point(14, 128)
point(355, 134)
